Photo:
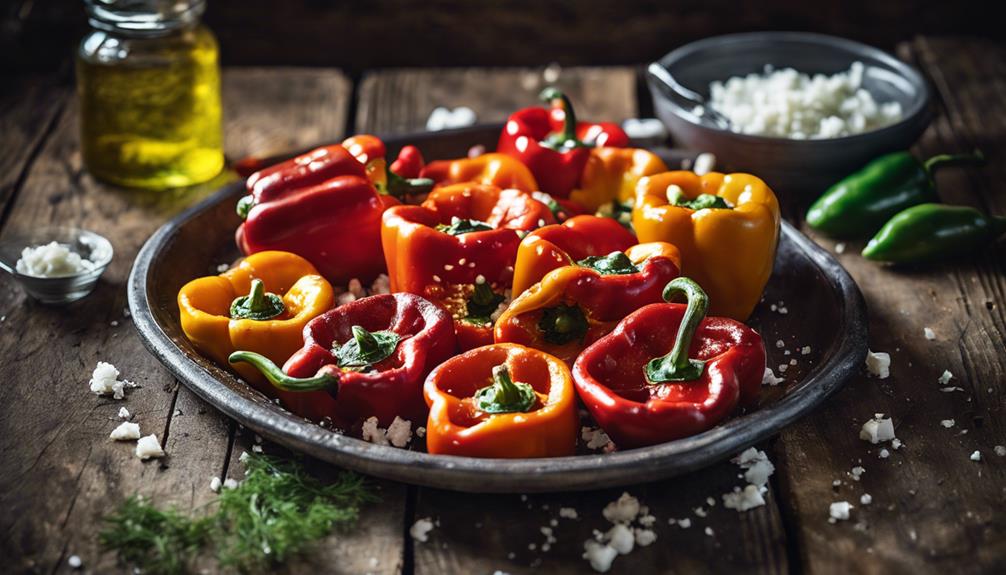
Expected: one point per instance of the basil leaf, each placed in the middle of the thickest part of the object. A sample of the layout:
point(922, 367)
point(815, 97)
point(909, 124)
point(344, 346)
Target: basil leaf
point(615, 263)
point(366, 348)
point(460, 226)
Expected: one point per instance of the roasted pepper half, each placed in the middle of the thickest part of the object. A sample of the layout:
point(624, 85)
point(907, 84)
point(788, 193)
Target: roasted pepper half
point(573, 306)
point(320, 206)
point(553, 144)
point(726, 226)
point(556, 246)
point(261, 305)
point(497, 170)
point(501, 400)
point(859, 205)
point(666, 373)
point(367, 358)
point(458, 249)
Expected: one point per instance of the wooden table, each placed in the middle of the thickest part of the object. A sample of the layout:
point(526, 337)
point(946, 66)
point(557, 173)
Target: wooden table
point(934, 510)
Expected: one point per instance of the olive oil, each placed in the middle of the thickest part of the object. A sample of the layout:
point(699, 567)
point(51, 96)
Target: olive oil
point(150, 113)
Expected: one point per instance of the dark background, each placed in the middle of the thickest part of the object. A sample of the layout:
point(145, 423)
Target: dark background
point(41, 35)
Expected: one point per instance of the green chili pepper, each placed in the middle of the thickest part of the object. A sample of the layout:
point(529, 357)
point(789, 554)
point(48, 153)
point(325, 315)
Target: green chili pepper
point(676, 365)
point(859, 205)
point(930, 232)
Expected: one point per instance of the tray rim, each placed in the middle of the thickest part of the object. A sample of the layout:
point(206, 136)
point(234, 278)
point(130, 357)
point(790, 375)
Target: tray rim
point(580, 472)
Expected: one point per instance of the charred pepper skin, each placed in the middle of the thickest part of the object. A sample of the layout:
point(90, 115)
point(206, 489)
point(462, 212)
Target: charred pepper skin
point(934, 232)
point(861, 203)
point(547, 428)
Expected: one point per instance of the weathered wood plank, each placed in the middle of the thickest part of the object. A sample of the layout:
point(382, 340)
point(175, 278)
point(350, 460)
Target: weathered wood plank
point(477, 533)
point(933, 509)
point(60, 472)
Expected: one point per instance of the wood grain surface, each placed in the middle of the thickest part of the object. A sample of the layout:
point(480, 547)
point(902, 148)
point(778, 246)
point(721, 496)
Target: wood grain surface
point(934, 510)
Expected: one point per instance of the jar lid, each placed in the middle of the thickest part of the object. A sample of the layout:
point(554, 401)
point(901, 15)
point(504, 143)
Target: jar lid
point(143, 17)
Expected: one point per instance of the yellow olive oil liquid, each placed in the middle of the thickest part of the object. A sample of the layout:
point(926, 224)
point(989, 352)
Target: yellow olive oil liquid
point(150, 108)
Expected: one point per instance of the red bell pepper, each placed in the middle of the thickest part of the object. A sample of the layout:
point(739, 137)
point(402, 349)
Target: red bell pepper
point(458, 250)
point(409, 163)
point(365, 358)
point(640, 396)
point(553, 144)
point(574, 305)
point(552, 247)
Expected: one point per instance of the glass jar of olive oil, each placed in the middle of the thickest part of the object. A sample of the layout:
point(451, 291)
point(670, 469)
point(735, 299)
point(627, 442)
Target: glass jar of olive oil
point(148, 79)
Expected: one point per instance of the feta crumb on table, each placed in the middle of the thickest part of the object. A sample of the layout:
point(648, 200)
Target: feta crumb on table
point(124, 413)
point(839, 511)
point(105, 380)
point(744, 499)
point(74, 562)
point(878, 430)
point(126, 431)
point(644, 537)
point(622, 510)
point(231, 483)
point(621, 539)
point(1000, 450)
point(976, 456)
point(866, 499)
point(929, 333)
point(600, 555)
point(149, 447)
point(215, 485)
point(945, 377)
point(948, 423)
point(769, 378)
point(685, 523)
point(857, 472)
point(420, 529)
point(878, 364)
point(568, 513)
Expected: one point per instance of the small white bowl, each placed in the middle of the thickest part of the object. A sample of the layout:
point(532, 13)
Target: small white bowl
point(63, 289)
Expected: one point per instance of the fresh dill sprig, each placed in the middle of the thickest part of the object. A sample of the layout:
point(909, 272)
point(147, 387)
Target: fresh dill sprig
point(277, 512)
point(162, 542)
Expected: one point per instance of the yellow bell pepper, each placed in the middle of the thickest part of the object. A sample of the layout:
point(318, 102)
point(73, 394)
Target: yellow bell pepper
point(729, 251)
point(260, 305)
point(612, 174)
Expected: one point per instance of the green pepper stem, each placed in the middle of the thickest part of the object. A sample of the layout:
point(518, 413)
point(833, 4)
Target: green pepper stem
point(976, 158)
point(283, 381)
point(676, 366)
point(504, 389)
point(483, 294)
point(569, 122)
point(503, 395)
point(256, 297)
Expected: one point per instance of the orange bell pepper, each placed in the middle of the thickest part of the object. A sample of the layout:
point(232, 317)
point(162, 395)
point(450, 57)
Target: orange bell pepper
point(612, 174)
point(556, 246)
point(726, 226)
point(491, 169)
point(573, 306)
point(501, 400)
point(287, 285)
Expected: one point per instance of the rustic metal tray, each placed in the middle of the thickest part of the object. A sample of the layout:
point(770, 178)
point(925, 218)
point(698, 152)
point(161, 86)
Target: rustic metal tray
point(824, 311)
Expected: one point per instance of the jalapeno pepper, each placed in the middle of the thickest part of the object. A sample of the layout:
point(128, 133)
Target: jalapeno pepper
point(931, 232)
point(859, 205)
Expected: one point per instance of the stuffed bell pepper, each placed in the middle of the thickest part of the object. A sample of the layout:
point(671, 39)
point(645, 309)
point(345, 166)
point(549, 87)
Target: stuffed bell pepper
point(501, 400)
point(668, 372)
point(367, 358)
point(726, 226)
point(573, 306)
point(261, 305)
point(556, 246)
point(491, 169)
point(458, 250)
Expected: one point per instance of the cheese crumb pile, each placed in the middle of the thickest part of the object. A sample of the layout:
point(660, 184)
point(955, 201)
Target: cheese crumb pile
point(399, 433)
point(52, 260)
point(788, 104)
point(105, 380)
point(622, 538)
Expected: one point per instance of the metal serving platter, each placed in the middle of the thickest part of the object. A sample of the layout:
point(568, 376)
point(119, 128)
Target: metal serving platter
point(824, 310)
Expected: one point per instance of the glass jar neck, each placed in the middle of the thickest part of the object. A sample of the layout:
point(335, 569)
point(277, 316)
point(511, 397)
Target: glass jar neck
point(143, 18)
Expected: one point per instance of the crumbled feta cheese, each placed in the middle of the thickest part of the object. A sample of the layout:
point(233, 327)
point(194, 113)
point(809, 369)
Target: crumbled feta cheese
point(105, 380)
point(757, 465)
point(243, 457)
point(929, 333)
point(896, 443)
point(644, 128)
point(704, 163)
point(421, 432)
point(215, 485)
point(599, 555)
point(839, 510)
point(372, 433)
point(709, 531)
point(789, 104)
point(126, 431)
point(400, 432)
point(976, 456)
point(700, 512)
point(840, 248)
point(621, 539)
point(568, 513)
point(256, 448)
point(231, 483)
point(866, 499)
point(805, 350)
point(596, 438)
point(622, 510)
point(124, 413)
point(783, 367)
point(420, 529)
point(857, 472)
point(948, 423)
point(878, 430)
point(74, 562)
point(945, 377)
point(744, 499)
point(780, 343)
point(221, 268)
point(884, 454)
point(644, 537)
point(685, 523)
point(148, 447)
point(769, 378)
point(1000, 450)
point(444, 118)
point(878, 364)
point(52, 260)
